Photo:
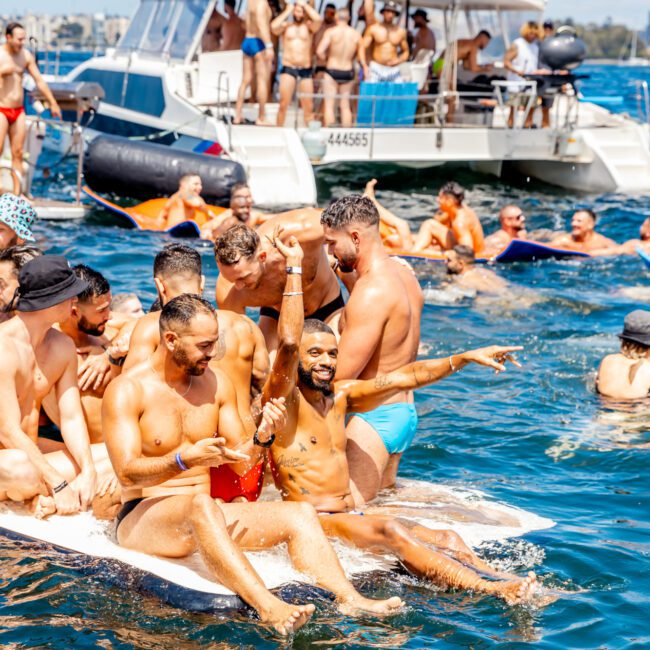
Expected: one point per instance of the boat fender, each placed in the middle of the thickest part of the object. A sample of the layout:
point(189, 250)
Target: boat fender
point(564, 51)
point(144, 170)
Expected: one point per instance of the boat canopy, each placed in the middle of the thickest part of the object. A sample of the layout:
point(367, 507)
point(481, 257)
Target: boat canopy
point(166, 29)
point(482, 5)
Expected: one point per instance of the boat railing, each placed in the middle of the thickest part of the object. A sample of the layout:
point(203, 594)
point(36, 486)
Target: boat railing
point(224, 108)
point(642, 97)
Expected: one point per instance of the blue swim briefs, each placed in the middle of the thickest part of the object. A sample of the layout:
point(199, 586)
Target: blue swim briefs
point(394, 423)
point(252, 46)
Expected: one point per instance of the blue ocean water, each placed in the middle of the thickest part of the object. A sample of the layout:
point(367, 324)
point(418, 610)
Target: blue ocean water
point(538, 438)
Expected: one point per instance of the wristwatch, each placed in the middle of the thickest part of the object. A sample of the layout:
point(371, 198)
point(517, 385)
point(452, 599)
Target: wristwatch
point(267, 444)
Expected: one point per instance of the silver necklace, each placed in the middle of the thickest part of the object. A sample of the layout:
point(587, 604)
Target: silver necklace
point(166, 384)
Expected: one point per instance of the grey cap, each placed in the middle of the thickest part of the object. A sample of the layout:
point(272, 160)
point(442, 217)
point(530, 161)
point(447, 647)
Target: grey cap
point(636, 327)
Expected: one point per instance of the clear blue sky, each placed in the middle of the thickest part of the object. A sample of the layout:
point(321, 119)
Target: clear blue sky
point(631, 12)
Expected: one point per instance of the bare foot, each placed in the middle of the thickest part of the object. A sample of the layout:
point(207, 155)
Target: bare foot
point(261, 122)
point(42, 506)
point(359, 605)
point(370, 188)
point(286, 619)
point(515, 592)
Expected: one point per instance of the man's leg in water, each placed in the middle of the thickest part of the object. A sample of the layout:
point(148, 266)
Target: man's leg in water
point(177, 526)
point(256, 526)
point(367, 457)
point(380, 534)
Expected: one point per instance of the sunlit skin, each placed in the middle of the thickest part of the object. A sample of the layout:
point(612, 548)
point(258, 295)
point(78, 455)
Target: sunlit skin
point(8, 237)
point(185, 205)
point(513, 226)
point(623, 377)
point(583, 236)
point(471, 276)
point(8, 286)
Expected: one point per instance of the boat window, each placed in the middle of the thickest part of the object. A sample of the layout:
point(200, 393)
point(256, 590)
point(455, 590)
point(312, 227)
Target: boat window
point(131, 40)
point(187, 27)
point(158, 32)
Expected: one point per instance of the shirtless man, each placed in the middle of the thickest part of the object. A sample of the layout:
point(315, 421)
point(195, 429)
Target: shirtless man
point(338, 49)
point(127, 304)
point(296, 71)
point(513, 226)
point(456, 223)
point(388, 44)
point(583, 236)
point(626, 375)
point(467, 50)
point(212, 34)
point(86, 327)
point(37, 359)
point(16, 218)
point(185, 203)
point(232, 27)
point(15, 60)
point(397, 235)
point(388, 339)
point(164, 420)
point(461, 266)
point(631, 246)
point(252, 272)
point(329, 22)
point(12, 259)
point(258, 58)
point(424, 38)
point(240, 211)
point(309, 454)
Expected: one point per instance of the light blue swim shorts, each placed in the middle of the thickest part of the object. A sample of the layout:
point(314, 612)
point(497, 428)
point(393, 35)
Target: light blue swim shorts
point(394, 423)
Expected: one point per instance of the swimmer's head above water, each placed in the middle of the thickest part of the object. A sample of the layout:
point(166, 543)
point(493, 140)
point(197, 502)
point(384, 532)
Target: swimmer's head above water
point(176, 270)
point(451, 197)
point(350, 224)
point(583, 223)
point(240, 257)
point(317, 357)
point(92, 310)
point(512, 220)
point(241, 201)
point(459, 259)
point(190, 184)
point(644, 231)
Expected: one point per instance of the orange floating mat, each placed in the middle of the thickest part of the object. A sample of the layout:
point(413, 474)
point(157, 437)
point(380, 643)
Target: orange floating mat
point(144, 215)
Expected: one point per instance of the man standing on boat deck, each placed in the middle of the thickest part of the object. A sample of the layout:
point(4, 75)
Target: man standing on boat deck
point(163, 421)
point(380, 332)
point(15, 60)
point(258, 58)
point(297, 71)
point(388, 44)
point(37, 359)
point(338, 50)
point(424, 38)
point(309, 454)
point(252, 272)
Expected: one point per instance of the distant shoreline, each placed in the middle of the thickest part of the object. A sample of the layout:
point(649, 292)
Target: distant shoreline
point(605, 61)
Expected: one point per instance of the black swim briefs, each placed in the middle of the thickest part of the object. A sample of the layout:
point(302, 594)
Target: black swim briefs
point(126, 509)
point(340, 76)
point(320, 314)
point(297, 73)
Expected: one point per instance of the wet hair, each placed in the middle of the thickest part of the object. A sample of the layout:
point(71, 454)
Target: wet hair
point(98, 285)
point(589, 211)
point(353, 208)
point(484, 32)
point(452, 188)
point(237, 242)
point(19, 256)
point(179, 312)
point(313, 325)
point(633, 349)
point(238, 186)
point(465, 253)
point(11, 27)
point(120, 299)
point(177, 258)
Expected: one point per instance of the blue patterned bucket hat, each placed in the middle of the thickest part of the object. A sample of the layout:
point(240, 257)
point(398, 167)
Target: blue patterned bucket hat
point(18, 214)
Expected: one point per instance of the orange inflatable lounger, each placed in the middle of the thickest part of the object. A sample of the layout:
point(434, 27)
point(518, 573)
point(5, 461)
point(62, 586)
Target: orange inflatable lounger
point(144, 215)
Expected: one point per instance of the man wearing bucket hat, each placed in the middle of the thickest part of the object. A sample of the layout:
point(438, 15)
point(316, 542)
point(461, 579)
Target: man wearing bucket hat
point(626, 375)
point(424, 38)
point(388, 47)
point(16, 218)
point(37, 359)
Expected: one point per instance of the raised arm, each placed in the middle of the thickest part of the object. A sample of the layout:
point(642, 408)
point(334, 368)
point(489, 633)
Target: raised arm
point(369, 11)
point(278, 25)
point(33, 70)
point(362, 49)
point(315, 19)
point(282, 380)
point(143, 342)
point(369, 394)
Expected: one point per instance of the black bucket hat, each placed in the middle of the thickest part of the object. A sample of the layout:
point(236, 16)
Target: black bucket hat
point(421, 14)
point(636, 327)
point(391, 5)
point(47, 281)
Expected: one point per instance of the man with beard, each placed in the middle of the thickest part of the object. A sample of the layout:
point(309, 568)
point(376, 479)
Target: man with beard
point(16, 218)
point(252, 272)
point(373, 346)
point(462, 268)
point(424, 38)
point(240, 211)
point(388, 46)
point(309, 453)
point(513, 226)
point(86, 327)
point(583, 236)
point(296, 71)
point(241, 354)
point(164, 422)
point(12, 259)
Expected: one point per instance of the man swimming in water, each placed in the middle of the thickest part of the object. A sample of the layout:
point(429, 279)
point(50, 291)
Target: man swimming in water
point(626, 375)
point(513, 226)
point(374, 346)
point(15, 61)
point(163, 421)
point(252, 272)
point(461, 266)
point(240, 211)
point(456, 223)
point(37, 359)
point(583, 236)
point(309, 454)
point(185, 204)
point(631, 246)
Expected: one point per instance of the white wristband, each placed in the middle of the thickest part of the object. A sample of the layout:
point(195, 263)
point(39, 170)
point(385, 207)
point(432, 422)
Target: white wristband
point(294, 270)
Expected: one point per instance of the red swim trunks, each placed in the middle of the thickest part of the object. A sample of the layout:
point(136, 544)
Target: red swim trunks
point(226, 484)
point(12, 114)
